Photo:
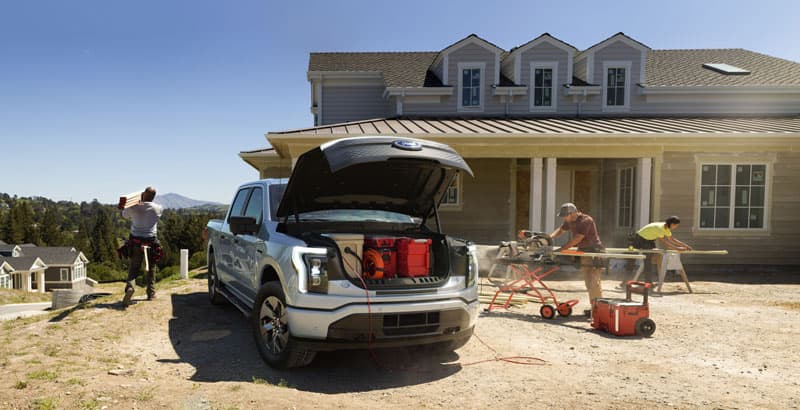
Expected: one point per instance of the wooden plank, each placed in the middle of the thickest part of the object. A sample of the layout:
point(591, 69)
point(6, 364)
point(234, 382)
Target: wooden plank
point(599, 255)
point(127, 201)
point(661, 251)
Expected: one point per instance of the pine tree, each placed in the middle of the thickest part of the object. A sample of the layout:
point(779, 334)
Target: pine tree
point(20, 221)
point(102, 237)
point(50, 229)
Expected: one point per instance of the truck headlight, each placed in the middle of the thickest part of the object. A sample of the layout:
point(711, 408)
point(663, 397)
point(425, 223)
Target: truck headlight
point(311, 265)
point(472, 266)
point(317, 273)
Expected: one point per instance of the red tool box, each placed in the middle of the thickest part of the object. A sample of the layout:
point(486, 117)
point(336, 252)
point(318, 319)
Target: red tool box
point(624, 317)
point(413, 257)
point(386, 247)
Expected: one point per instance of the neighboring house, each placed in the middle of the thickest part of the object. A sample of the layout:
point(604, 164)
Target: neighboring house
point(66, 266)
point(629, 133)
point(5, 274)
point(10, 251)
point(26, 273)
point(54, 267)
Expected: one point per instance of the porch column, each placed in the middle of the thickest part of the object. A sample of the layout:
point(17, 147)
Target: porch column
point(550, 195)
point(644, 173)
point(294, 162)
point(535, 207)
point(27, 278)
point(40, 282)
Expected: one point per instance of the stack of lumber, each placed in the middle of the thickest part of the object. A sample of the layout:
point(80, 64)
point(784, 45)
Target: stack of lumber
point(127, 201)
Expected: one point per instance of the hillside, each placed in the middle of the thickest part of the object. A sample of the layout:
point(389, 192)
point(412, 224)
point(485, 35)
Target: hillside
point(176, 201)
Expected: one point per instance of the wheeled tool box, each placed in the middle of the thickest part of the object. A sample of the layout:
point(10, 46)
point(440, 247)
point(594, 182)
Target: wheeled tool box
point(624, 317)
point(413, 257)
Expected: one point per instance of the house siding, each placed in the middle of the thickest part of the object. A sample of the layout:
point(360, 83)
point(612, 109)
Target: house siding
point(777, 247)
point(352, 102)
point(543, 52)
point(485, 215)
point(579, 70)
point(470, 53)
point(616, 51)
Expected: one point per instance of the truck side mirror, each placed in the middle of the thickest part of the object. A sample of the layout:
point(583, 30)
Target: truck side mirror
point(243, 225)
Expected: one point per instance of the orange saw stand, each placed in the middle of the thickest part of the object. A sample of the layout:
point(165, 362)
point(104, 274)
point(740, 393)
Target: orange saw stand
point(528, 284)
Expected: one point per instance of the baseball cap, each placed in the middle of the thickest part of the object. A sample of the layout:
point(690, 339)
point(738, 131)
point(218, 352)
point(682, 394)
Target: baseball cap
point(567, 209)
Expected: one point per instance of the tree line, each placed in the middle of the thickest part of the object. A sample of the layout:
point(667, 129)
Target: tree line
point(97, 230)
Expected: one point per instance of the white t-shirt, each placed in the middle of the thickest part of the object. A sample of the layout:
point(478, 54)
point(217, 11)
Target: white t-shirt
point(144, 218)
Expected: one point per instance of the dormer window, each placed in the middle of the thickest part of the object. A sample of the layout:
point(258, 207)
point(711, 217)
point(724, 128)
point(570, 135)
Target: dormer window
point(470, 86)
point(616, 92)
point(544, 77)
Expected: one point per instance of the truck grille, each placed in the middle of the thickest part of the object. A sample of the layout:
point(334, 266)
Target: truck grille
point(403, 324)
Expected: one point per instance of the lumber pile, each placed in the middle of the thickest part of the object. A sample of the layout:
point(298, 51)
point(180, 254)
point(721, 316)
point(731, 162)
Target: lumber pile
point(127, 201)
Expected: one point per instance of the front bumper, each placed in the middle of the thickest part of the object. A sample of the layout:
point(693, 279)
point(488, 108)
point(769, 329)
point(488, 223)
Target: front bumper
point(393, 324)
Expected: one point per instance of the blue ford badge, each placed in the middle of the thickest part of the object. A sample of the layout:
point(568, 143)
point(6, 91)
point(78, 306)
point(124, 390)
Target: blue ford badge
point(407, 145)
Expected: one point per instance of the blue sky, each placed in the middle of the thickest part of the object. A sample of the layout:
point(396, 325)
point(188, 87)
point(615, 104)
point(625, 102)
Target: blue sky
point(100, 98)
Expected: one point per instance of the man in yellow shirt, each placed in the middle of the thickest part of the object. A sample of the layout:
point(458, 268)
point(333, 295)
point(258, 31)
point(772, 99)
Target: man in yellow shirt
point(646, 238)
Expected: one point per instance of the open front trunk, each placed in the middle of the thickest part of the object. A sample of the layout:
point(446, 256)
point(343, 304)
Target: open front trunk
point(392, 260)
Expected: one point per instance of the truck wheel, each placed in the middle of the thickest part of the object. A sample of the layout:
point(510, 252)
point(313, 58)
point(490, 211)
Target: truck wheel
point(213, 283)
point(645, 327)
point(271, 330)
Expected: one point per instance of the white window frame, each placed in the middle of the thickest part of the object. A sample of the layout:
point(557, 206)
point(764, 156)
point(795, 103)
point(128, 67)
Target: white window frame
point(769, 169)
point(554, 92)
point(617, 64)
point(61, 275)
point(461, 68)
point(454, 206)
point(5, 281)
point(631, 197)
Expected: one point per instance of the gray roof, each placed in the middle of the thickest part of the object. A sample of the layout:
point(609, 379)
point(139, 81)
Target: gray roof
point(424, 127)
point(53, 255)
point(685, 68)
point(663, 67)
point(21, 262)
point(6, 247)
point(399, 68)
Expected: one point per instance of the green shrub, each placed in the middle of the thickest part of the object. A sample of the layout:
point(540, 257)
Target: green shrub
point(105, 271)
point(168, 273)
point(197, 260)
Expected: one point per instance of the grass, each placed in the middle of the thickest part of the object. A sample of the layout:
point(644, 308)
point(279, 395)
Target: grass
point(283, 383)
point(76, 382)
point(43, 375)
point(144, 396)
point(51, 351)
point(90, 405)
point(8, 296)
point(45, 403)
point(236, 387)
point(258, 380)
point(20, 385)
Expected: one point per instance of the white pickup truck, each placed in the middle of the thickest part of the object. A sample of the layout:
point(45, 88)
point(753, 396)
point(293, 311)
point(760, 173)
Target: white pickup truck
point(341, 256)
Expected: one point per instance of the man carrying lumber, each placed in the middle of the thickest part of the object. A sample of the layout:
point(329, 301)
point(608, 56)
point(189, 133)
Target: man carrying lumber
point(646, 238)
point(585, 237)
point(144, 216)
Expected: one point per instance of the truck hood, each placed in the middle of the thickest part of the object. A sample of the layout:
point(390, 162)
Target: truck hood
point(407, 176)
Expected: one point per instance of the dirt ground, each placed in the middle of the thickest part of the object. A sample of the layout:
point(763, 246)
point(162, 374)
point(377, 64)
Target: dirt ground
point(725, 346)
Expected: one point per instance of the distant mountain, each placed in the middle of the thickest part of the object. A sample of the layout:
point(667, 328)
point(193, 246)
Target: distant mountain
point(176, 201)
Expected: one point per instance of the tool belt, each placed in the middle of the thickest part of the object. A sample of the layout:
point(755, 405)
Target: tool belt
point(156, 252)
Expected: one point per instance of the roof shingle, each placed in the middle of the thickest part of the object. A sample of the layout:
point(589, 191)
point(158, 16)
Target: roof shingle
point(685, 68)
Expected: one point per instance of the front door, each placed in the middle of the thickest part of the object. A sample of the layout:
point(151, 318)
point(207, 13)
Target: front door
point(248, 249)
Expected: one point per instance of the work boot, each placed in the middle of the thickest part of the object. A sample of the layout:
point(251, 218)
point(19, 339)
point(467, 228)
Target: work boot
point(129, 290)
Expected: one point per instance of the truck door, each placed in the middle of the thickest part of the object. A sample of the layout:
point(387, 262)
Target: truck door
point(248, 250)
point(224, 244)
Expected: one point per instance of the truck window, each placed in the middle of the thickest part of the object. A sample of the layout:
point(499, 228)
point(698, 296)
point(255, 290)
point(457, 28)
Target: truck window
point(275, 195)
point(255, 205)
point(238, 203)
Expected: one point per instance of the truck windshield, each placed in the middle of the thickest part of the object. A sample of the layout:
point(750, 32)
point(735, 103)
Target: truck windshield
point(358, 215)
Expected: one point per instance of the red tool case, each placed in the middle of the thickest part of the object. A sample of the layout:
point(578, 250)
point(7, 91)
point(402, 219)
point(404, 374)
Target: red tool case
point(624, 317)
point(413, 257)
point(387, 248)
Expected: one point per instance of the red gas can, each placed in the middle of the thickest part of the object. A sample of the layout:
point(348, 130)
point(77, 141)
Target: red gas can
point(413, 257)
point(624, 317)
point(387, 248)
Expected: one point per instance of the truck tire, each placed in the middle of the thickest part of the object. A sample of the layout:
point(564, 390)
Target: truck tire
point(271, 330)
point(213, 283)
